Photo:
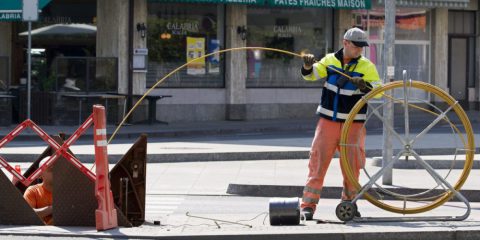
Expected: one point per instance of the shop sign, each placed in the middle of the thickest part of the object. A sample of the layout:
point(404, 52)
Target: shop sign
point(348, 4)
point(178, 28)
point(287, 31)
point(249, 2)
point(7, 17)
point(11, 10)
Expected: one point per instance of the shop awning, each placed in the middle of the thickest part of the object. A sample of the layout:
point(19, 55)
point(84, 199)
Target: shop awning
point(433, 3)
point(347, 4)
point(63, 29)
point(344, 4)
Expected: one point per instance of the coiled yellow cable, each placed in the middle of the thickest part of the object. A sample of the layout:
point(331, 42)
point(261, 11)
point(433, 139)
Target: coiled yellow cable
point(469, 145)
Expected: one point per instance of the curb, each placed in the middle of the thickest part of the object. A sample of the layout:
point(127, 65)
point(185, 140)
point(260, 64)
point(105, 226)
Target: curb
point(437, 164)
point(280, 233)
point(327, 192)
point(179, 157)
point(167, 133)
point(267, 155)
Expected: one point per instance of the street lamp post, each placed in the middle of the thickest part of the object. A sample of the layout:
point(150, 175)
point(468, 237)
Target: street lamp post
point(29, 14)
point(388, 68)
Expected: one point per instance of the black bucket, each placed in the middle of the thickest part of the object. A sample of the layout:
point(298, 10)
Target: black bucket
point(284, 211)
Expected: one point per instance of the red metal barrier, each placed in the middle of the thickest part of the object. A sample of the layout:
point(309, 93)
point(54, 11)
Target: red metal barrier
point(106, 214)
point(59, 150)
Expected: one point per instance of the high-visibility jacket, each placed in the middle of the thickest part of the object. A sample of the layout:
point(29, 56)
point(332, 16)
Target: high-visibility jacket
point(340, 95)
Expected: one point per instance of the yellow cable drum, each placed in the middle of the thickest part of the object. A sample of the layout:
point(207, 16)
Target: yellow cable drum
point(468, 142)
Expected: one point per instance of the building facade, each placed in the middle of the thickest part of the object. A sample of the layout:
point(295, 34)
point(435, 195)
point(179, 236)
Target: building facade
point(436, 41)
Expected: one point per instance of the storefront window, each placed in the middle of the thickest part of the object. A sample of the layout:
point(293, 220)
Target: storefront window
point(410, 23)
point(4, 74)
point(64, 29)
point(412, 41)
point(292, 29)
point(178, 33)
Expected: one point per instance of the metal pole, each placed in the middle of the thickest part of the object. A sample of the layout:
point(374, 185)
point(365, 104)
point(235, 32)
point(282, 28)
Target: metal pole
point(389, 74)
point(131, 19)
point(29, 74)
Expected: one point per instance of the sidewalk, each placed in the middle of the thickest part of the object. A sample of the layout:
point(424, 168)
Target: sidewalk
point(233, 153)
point(262, 159)
point(219, 141)
point(203, 179)
point(199, 229)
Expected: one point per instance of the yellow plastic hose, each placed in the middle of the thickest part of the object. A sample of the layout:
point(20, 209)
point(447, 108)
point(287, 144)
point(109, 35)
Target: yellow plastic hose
point(205, 56)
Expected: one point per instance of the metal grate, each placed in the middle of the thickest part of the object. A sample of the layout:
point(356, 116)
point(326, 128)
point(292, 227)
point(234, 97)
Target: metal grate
point(14, 210)
point(129, 195)
point(74, 197)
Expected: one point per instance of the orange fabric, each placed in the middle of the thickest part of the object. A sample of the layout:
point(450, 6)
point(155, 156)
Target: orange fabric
point(325, 143)
point(38, 197)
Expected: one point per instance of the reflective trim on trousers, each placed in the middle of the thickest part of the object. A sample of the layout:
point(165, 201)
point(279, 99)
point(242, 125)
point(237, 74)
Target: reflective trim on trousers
point(312, 190)
point(310, 200)
point(348, 195)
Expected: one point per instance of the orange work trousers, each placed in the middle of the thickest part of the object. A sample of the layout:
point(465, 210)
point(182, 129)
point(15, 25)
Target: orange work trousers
point(324, 145)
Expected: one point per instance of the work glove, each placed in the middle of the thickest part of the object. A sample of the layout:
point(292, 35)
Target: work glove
point(360, 83)
point(308, 61)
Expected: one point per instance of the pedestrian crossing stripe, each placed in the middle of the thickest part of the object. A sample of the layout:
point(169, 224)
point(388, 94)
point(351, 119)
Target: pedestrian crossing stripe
point(158, 206)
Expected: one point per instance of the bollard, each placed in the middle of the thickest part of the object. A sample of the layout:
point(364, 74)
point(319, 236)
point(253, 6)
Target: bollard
point(284, 211)
point(106, 214)
point(18, 170)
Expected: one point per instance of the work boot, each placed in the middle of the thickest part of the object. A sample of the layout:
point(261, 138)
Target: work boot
point(357, 213)
point(308, 213)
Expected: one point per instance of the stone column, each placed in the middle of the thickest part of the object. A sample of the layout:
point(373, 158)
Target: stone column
point(236, 64)
point(477, 63)
point(439, 44)
point(112, 36)
point(6, 51)
point(6, 44)
point(344, 20)
point(140, 16)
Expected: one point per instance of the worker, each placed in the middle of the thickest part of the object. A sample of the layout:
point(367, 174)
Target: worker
point(39, 196)
point(339, 94)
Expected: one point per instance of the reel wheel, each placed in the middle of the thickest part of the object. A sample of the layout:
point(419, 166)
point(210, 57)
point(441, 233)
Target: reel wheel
point(346, 211)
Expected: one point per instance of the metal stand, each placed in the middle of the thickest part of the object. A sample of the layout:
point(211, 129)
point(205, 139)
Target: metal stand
point(347, 210)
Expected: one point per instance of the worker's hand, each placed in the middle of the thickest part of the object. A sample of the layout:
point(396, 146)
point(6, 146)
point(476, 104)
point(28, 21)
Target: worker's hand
point(308, 61)
point(360, 83)
point(341, 81)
